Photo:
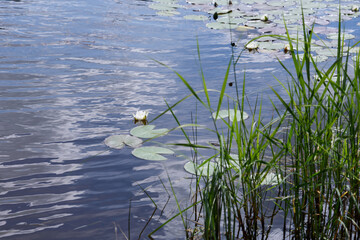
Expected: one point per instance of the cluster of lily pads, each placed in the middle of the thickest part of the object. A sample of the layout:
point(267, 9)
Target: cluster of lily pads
point(134, 140)
point(155, 153)
point(261, 17)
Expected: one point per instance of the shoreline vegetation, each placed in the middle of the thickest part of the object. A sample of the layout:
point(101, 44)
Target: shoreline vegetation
point(301, 168)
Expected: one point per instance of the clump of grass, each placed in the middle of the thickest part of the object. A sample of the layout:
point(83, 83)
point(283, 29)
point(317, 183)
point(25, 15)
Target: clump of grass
point(301, 167)
point(322, 147)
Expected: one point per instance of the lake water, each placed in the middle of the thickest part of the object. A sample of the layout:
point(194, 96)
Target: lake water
point(71, 74)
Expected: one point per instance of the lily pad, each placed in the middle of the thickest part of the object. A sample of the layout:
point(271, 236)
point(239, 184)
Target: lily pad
point(329, 52)
point(259, 24)
point(148, 131)
point(244, 28)
point(218, 25)
point(345, 36)
point(151, 153)
point(198, 2)
point(208, 168)
point(196, 17)
point(231, 114)
point(355, 50)
point(271, 179)
point(162, 7)
point(315, 5)
point(272, 45)
point(118, 141)
point(231, 20)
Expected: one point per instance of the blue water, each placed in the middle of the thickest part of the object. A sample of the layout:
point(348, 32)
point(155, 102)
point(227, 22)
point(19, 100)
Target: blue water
point(71, 74)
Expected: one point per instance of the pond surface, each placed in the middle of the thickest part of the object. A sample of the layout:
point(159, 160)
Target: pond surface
point(71, 74)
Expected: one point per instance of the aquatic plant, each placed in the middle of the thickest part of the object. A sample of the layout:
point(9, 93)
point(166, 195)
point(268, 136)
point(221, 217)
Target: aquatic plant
point(301, 167)
point(140, 115)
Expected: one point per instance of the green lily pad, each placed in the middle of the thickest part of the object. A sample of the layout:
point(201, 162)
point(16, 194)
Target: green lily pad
point(218, 25)
point(162, 7)
point(198, 2)
point(329, 52)
point(236, 14)
point(271, 179)
point(230, 20)
point(148, 131)
point(118, 141)
point(316, 5)
point(151, 153)
point(207, 169)
point(231, 114)
point(244, 28)
point(196, 17)
point(272, 45)
point(355, 50)
point(345, 36)
point(259, 24)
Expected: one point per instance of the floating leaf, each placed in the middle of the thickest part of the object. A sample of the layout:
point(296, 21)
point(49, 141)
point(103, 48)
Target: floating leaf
point(317, 58)
point(355, 50)
point(198, 2)
point(244, 28)
point(271, 179)
point(345, 36)
point(259, 24)
point(272, 45)
point(162, 7)
point(231, 114)
point(231, 20)
point(218, 25)
point(196, 17)
point(316, 5)
point(207, 169)
point(329, 52)
point(118, 141)
point(151, 153)
point(148, 131)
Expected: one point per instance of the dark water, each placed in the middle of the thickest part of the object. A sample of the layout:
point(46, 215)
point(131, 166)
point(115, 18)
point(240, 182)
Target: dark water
point(71, 74)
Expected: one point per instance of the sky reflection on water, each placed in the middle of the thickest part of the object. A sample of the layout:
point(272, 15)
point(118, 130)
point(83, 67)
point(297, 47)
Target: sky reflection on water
point(71, 74)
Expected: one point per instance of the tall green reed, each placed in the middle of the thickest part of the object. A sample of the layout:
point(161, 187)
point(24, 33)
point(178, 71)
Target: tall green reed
point(301, 167)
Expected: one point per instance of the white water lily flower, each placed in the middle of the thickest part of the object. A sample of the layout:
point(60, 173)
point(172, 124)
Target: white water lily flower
point(287, 47)
point(252, 46)
point(264, 18)
point(141, 115)
point(355, 8)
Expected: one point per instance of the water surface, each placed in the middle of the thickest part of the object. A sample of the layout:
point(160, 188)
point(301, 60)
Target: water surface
point(71, 74)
